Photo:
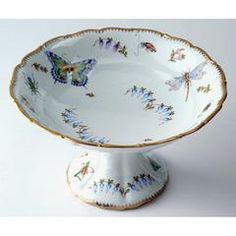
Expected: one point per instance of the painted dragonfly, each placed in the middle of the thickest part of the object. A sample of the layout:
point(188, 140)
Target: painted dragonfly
point(186, 78)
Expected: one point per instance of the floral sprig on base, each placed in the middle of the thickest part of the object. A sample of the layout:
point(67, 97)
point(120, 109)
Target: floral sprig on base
point(84, 170)
point(84, 132)
point(110, 186)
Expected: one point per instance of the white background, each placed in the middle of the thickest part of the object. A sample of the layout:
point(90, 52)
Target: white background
point(33, 162)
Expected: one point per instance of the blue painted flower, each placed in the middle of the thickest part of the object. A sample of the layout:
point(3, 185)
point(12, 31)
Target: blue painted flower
point(108, 42)
point(134, 90)
point(137, 181)
point(109, 184)
point(84, 131)
point(165, 112)
point(116, 46)
point(143, 179)
point(150, 179)
point(121, 190)
point(140, 92)
point(101, 42)
point(116, 188)
point(132, 186)
point(102, 140)
point(101, 184)
point(147, 96)
point(95, 187)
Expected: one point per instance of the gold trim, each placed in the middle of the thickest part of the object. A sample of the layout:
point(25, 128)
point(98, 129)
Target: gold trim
point(116, 207)
point(167, 36)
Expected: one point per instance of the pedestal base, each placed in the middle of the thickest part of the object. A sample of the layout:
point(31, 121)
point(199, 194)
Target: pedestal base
point(116, 180)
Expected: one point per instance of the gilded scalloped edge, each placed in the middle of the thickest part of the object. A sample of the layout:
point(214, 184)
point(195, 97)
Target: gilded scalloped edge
point(165, 35)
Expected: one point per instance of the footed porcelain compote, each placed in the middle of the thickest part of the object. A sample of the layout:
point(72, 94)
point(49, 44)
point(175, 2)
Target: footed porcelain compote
point(118, 93)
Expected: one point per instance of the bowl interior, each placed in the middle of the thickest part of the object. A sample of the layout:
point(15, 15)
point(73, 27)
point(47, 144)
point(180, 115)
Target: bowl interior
point(117, 87)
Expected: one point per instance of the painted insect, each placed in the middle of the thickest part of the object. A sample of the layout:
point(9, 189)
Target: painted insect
point(204, 109)
point(39, 67)
point(186, 78)
point(32, 84)
point(147, 140)
point(63, 70)
point(26, 102)
point(204, 89)
point(91, 95)
point(149, 47)
point(85, 170)
point(109, 43)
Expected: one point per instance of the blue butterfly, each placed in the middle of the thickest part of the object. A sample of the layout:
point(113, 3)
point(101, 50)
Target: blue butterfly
point(186, 78)
point(62, 70)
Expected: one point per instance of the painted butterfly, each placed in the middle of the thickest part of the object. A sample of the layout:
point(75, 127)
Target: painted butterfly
point(63, 70)
point(186, 78)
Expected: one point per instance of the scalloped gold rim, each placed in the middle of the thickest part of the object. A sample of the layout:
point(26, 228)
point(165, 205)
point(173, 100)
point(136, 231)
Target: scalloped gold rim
point(77, 34)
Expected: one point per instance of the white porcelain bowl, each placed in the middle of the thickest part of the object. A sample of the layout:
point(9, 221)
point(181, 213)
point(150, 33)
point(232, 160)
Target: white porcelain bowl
point(121, 91)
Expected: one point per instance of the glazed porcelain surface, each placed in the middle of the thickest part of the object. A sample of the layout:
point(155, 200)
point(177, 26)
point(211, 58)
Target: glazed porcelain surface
point(119, 88)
